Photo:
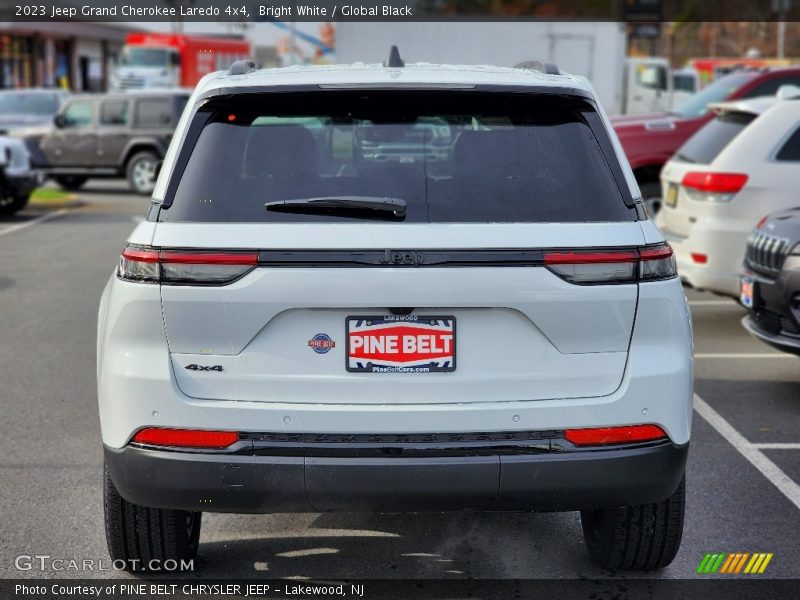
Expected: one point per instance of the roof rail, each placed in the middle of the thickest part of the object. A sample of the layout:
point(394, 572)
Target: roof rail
point(242, 67)
point(537, 65)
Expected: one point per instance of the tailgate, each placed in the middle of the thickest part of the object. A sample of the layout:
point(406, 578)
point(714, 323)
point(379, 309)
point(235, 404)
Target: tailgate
point(279, 334)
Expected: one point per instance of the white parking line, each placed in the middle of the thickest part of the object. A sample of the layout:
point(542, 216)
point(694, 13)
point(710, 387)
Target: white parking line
point(751, 452)
point(744, 355)
point(713, 303)
point(32, 222)
point(777, 446)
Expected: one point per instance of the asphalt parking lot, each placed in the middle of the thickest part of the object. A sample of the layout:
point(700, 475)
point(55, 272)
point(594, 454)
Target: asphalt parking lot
point(743, 473)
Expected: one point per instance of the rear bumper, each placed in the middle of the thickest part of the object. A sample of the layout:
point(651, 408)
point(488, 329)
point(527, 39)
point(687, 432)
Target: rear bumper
point(722, 241)
point(714, 280)
point(247, 482)
point(22, 184)
point(780, 341)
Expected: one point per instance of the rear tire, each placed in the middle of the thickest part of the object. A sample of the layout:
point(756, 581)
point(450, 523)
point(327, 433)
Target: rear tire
point(638, 538)
point(71, 183)
point(138, 535)
point(651, 197)
point(141, 171)
point(11, 204)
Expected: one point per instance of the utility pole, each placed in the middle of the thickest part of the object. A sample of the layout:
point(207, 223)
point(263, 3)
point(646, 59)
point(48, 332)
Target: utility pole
point(781, 7)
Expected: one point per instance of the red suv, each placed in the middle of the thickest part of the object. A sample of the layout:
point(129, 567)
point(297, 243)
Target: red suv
point(650, 140)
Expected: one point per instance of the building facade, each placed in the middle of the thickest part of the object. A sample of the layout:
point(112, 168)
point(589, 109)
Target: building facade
point(74, 56)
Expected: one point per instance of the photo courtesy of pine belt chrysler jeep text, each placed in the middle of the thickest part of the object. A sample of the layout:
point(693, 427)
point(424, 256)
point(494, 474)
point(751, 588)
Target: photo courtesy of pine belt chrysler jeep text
point(395, 288)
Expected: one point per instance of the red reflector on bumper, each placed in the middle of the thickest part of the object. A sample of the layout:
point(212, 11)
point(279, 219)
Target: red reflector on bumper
point(600, 436)
point(699, 258)
point(186, 438)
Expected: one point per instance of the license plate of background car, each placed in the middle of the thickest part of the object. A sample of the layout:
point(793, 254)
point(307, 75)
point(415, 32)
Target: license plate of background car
point(672, 196)
point(401, 344)
point(746, 291)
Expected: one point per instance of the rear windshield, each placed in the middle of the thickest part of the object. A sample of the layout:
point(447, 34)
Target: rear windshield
point(705, 145)
point(457, 157)
point(721, 89)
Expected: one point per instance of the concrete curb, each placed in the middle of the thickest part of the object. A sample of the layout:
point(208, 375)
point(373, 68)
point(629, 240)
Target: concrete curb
point(72, 201)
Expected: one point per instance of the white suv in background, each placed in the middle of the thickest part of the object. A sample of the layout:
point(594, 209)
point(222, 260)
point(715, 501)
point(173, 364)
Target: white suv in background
point(480, 319)
point(735, 170)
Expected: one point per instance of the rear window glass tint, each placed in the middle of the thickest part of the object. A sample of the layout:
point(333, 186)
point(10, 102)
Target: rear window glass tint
point(790, 151)
point(155, 112)
point(114, 112)
point(771, 87)
point(705, 145)
point(452, 158)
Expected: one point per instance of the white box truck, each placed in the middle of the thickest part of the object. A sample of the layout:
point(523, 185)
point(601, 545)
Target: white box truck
point(595, 50)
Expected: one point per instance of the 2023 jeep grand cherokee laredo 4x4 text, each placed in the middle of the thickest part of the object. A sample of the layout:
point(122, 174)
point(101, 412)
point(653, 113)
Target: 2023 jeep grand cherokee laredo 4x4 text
point(302, 326)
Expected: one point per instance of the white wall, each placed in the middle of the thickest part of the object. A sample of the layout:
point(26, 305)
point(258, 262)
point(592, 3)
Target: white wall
point(594, 50)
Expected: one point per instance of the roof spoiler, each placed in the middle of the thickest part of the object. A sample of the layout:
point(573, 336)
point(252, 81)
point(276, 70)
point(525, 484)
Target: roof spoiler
point(537, 65)
point(242, 67)
point(788, 92)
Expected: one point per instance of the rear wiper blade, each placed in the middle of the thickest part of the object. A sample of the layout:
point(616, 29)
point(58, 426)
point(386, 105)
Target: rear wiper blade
point(683, 157)
point(396, 206)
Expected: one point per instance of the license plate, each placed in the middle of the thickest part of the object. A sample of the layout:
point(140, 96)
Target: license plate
point(746, 291)
point(401, 344)
point(672, 196)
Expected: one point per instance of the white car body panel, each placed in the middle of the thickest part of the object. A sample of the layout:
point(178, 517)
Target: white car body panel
point(584, 356)
point(720, 229)
point(138, 388)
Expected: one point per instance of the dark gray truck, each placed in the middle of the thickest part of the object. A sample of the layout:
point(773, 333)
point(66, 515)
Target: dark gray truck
point(109, 135)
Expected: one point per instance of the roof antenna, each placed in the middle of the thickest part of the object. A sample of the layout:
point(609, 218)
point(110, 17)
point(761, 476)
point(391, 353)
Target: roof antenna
point(394, 60)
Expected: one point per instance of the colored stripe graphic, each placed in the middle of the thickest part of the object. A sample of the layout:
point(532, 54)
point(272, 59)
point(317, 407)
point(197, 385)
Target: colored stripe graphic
point(741, 562)
point(734, 562)
point(703, 563)
point(711, 562)
point(729, 562)
point(725, 563)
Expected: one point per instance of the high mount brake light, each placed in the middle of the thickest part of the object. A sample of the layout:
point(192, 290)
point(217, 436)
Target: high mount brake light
point(714, 187)
point(601, 436)
point(185, 438)
point(613, 266)
point(151, 265)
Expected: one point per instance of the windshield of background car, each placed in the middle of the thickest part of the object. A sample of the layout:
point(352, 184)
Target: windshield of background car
point(705, 145)
point(697, 105)
point(27, 103)
point(144, 57)
point(452, 157)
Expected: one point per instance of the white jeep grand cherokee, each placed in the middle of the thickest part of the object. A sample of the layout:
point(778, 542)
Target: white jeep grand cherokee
point(395, 288)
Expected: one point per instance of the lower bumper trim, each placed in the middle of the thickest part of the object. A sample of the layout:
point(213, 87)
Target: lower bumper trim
point(778, 341)
point(558, 481)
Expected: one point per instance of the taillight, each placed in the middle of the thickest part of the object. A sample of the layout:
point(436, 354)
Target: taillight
point(198, 267)
point(185, 438)
point(613, 266)
point(713, 187)
point(657, 262)
point(601, 436)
